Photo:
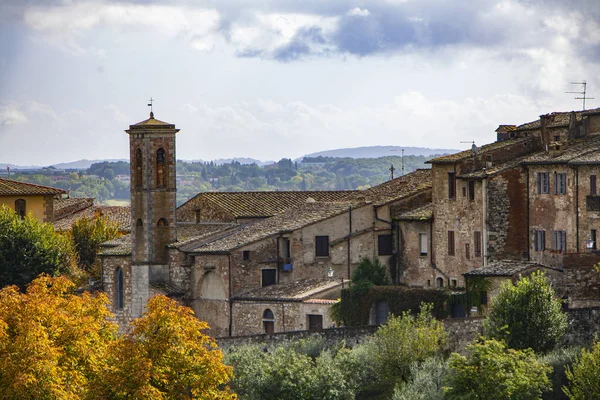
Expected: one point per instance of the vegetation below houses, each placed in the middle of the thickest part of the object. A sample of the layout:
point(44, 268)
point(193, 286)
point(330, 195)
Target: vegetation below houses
point(110, 180)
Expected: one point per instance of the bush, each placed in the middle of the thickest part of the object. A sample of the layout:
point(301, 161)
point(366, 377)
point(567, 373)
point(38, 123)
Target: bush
point(426, 381)
point(87, 234)
point(527, 315)
point(584, 375)
point(407, 339)
point(29, 248)
point(494, 371)
point(373, 272)
point(559, 359)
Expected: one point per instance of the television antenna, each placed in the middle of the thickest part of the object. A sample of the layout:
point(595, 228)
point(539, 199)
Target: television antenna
point(402, 160)
point(582, 93)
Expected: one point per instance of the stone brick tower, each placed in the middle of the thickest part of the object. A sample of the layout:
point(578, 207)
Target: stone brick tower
point(153, 191)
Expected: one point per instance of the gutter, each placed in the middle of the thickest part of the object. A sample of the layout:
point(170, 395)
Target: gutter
point(349, 238)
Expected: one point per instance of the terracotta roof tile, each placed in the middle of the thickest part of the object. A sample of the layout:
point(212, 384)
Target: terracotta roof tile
point(398, 188)
point(505, 268)
point(424, 213)
point(121, 215)
point(571, 150)
point(463, 155)
point(15, 188)
point(289, 220)
point(300, 290)
point(269, 203)
point(64, 207)
point(117, 247)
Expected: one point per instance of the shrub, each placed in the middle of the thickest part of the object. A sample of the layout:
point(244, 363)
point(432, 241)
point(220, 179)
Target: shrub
point(559, 359)
point(494, 371)
point(373, 272)
point(527, 315)
point(426, 381)
point(584, 375)
point(407, 339)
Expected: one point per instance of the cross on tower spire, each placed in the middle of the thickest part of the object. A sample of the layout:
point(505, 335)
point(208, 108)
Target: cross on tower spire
point(150, 105)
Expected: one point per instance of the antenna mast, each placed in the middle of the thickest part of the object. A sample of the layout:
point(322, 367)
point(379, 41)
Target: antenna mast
point(392, 169)
point(582, 93)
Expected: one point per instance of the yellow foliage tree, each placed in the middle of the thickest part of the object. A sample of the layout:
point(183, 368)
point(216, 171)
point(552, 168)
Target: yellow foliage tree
point(53, 343)
point(166, 356)
point(56, 344)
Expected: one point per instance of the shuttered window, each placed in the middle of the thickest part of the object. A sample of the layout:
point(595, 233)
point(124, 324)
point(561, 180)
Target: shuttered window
point(322, 246)
point(450, 243)
point(477, 242)
point(385, 245)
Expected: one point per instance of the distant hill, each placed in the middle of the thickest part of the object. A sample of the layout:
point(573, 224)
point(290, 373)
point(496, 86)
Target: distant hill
point(80, 164)
point(379, 151)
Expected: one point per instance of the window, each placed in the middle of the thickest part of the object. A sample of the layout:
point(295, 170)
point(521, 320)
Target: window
point(467, 251)
point(268, 321)
point(162, 223)
point(593, 237)
point(560, 183)
point(557, 138)
point(423, 244)
point(477, 241)
point(593, 187)
point(161, 169)
point(119, 288)
point(539, 240)
point(439, 282)
point(385, 245)
point(137, 181)
point(542, 182)
point(559, 241)
point(285, 250)
point(269, 276)
point(464, 191)
point(450, 243)
point(454, 283)
point(246, 255)
point(471, 190)
point(382, 312)
point(451, 185)
point(322, 246)
point(20, 208)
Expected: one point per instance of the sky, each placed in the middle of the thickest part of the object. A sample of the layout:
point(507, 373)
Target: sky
point(269, 79)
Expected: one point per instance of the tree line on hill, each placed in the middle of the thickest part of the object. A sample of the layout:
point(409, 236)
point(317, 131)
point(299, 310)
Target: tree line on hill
point(109, 180)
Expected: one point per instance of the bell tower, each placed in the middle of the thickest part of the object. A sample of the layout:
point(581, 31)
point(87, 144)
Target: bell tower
point(153, 190)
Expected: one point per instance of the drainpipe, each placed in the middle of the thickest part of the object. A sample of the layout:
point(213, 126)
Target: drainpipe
point(349, 237)
point(577, 207)
point(277, 240)
point(283, 316)
point(230, 302)
point(391, 224)
point(484, 228)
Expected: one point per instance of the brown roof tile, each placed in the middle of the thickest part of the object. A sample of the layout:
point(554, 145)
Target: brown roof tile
point(64, 207)
point(15, 188)
point(267, 204)
point(300, 290)
point(572, 150)
point(505, 268)
point(424, 213)
point(398, 188)
point(289, 220)
point(463, 155)
point(121, 215)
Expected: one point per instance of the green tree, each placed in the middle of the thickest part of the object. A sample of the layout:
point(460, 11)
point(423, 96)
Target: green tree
point(584, 375)
point(373, 272)
point(87, 234)
point(528, 315)
point(407, 339)
point(494, 371)
point(29, 248)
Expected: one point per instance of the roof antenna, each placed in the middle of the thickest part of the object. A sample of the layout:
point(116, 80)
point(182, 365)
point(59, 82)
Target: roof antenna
point(402, 161)
point(150, 105)
point(584, 84)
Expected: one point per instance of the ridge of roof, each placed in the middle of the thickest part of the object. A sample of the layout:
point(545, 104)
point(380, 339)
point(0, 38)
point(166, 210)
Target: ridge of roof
point(465, 154)
point(9, 187)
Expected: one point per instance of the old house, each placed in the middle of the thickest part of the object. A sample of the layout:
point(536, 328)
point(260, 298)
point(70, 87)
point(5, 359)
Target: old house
point(25, 198)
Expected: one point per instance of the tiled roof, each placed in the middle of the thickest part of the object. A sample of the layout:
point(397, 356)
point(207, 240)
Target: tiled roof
point(424, 213)
point(14, 188)
point(398, 188)
point(120, 215)
point(117, 247)
point(592, 157)
point(292, 219)
point(152, 122)
point(505, 268)
point(463, 155)
point(571, 150)
point(267, 204)
point(556, 119)
point(202, 234)
point(494, 169)
point(295, 291)
point(64, 207)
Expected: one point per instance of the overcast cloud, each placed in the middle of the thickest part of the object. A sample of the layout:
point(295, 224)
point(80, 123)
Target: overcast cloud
point(271, 79)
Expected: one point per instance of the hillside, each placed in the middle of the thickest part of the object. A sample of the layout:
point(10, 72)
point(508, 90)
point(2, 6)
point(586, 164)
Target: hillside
point(379, 151)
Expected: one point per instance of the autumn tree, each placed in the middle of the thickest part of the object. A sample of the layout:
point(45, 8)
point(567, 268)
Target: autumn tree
point(53, 343)
point(166, 356)
point(87, 234)
point(29, 247)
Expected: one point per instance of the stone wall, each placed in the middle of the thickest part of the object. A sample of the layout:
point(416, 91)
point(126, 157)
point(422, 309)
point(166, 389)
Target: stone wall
point(582, 281)
point(200, 209)
point(415, 269)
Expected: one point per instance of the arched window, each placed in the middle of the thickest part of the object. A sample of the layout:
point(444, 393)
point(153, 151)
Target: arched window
point(119, 288)
point(137, 181)
point(20, 208)
point(139, 223)
point(161, 168)
point(162, 222)
point(440, 282)
point(268, 321)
